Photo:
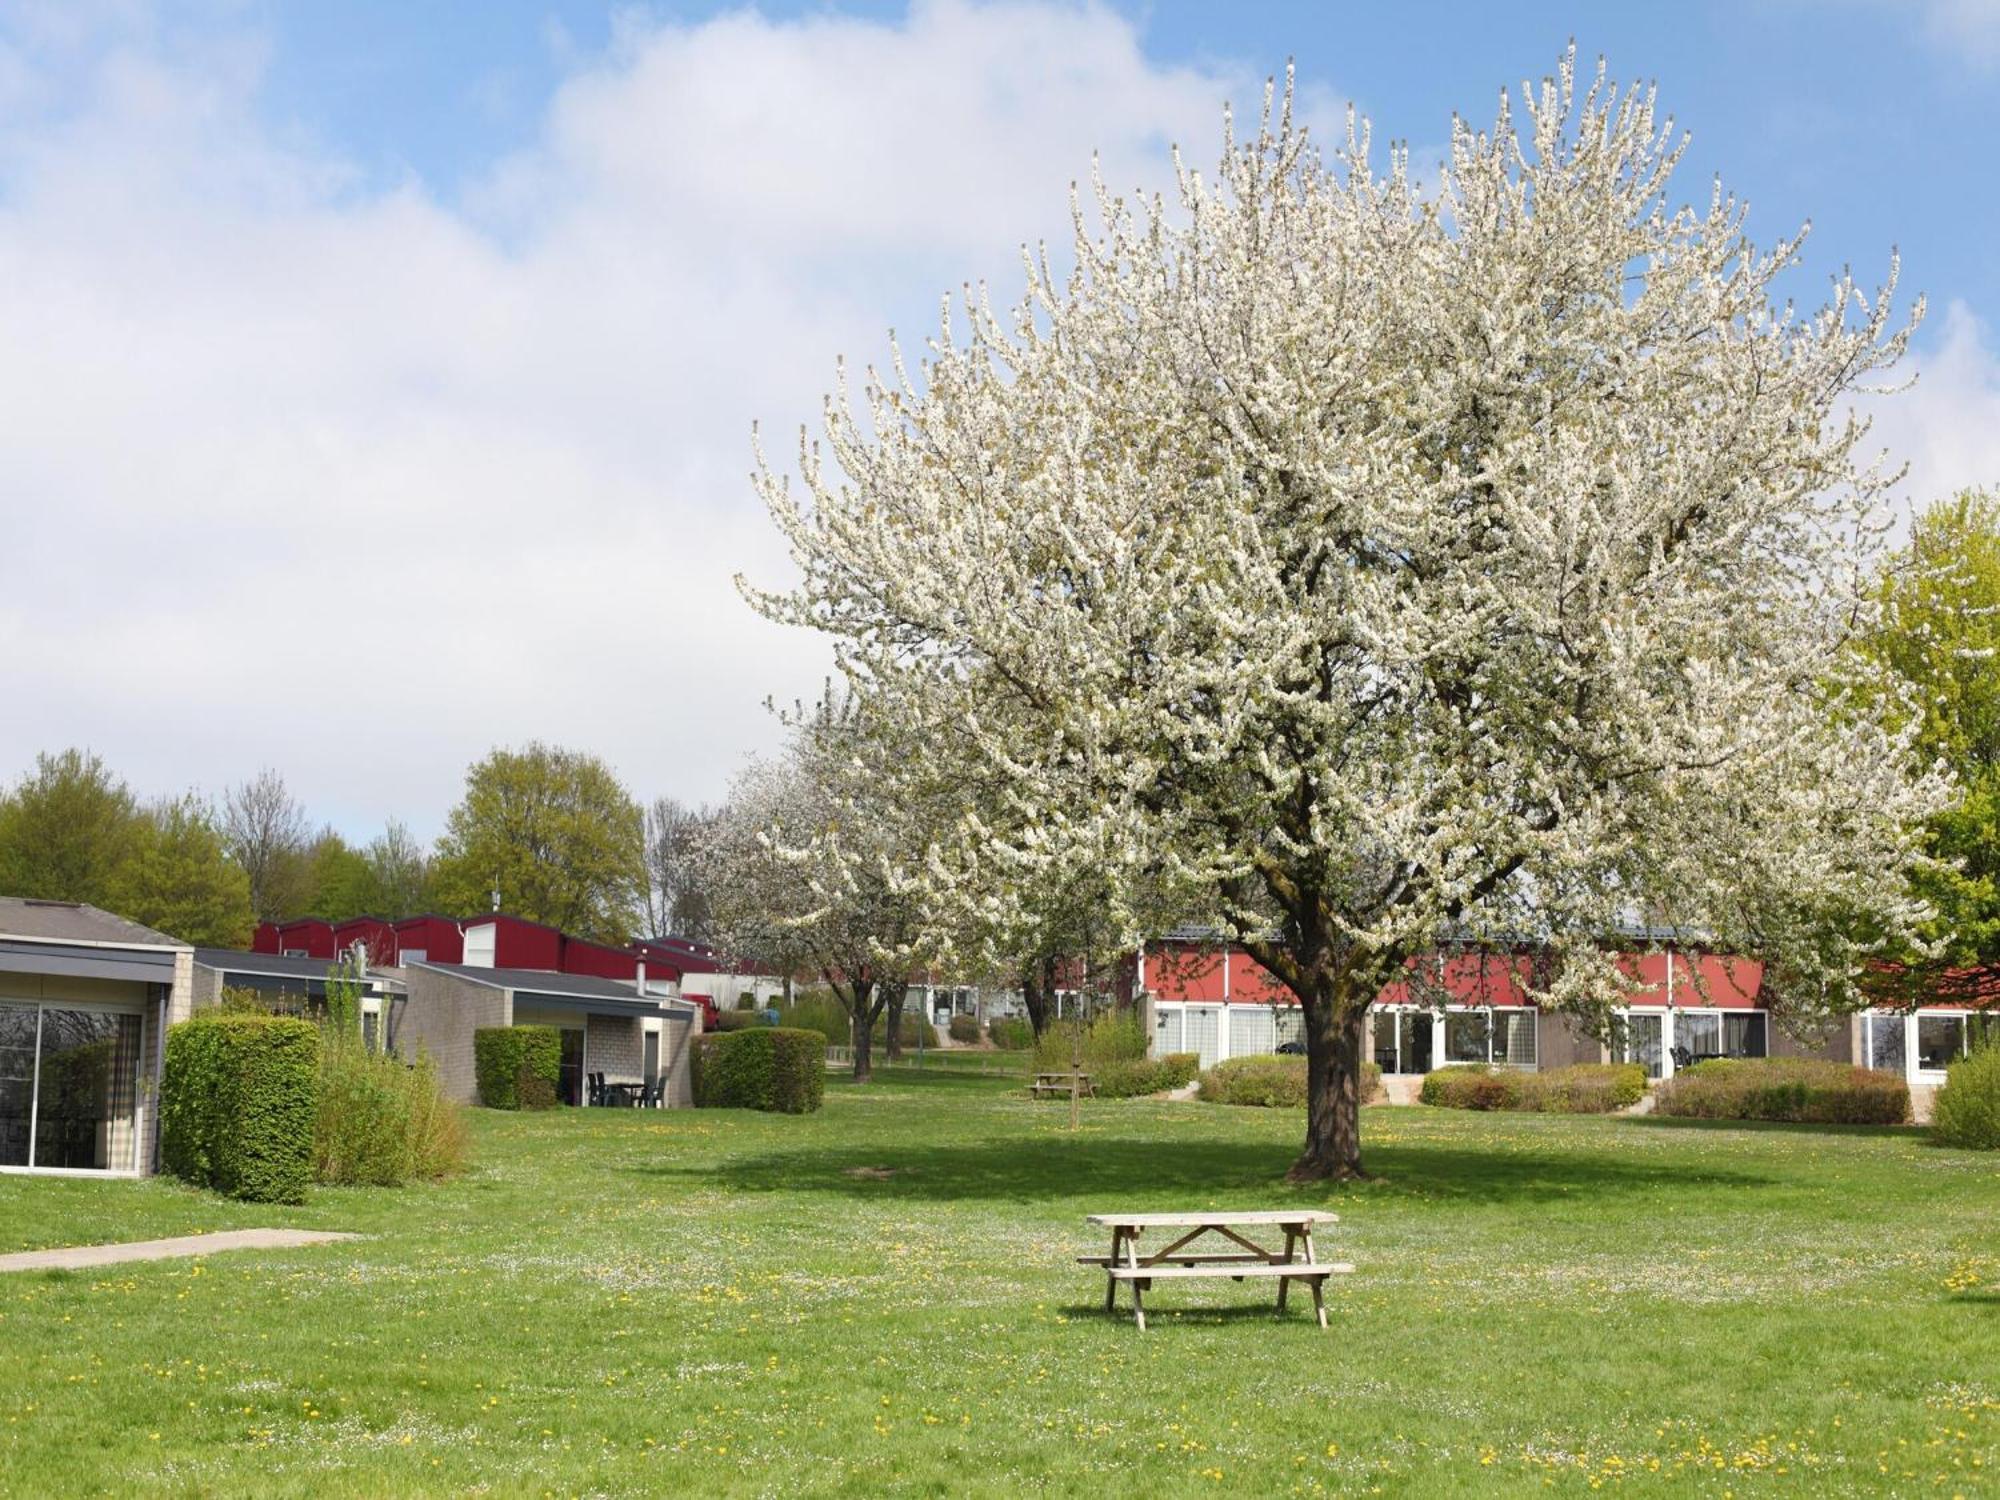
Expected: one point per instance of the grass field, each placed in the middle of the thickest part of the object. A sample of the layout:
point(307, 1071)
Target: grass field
point(713, 1303)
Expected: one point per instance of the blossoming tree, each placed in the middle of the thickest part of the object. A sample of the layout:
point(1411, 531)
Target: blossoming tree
point(1376, 566)
point(806, 872)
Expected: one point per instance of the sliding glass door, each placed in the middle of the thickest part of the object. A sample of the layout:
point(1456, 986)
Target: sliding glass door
point(69, 1087)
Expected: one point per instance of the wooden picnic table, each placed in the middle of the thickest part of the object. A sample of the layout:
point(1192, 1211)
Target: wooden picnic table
point(1062, 1084)
point(1184, 1259)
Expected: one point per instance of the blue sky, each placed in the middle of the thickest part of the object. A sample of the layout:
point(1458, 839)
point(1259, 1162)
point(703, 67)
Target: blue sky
point(380, 375)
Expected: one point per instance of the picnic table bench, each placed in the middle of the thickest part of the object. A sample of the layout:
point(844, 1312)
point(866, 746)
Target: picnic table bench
point(1183, 1259)
point(1060, 1083)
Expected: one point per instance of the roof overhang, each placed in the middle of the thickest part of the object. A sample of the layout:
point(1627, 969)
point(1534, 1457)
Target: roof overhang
point(88, 960)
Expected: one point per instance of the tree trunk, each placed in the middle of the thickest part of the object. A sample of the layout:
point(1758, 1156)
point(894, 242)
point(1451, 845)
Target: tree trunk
point(862, 1014)
point(1336, 1036)
point(893, 1029)
point(1035, 993)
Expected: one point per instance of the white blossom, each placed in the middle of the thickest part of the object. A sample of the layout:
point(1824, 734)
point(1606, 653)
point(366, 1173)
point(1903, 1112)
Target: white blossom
point(1367, 568)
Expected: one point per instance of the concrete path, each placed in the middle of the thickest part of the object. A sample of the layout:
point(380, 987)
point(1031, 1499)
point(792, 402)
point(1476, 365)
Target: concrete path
point(81, 1257)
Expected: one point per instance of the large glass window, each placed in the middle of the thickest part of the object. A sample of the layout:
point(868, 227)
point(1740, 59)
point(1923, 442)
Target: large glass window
point(1636, 1039)
point(1468, 1036)
point(1882, 1042)
point(17, 1081)
point(1514, 1038)
point(69, 1086)
point(1289, 1024)
point(1744, 1034)
point(1940, 1042)
point(1168, 1023)
point(1202, 1028)
point(1251, 1031)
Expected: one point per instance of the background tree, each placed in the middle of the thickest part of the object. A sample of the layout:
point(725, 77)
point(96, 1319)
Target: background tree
point(400, 871)
point(66, 828)
point(676, 905)
point(266, 832)
point(341, 880)
point(1940, 635)
point(1377, 567)
point(556, 833)
point(178, 877)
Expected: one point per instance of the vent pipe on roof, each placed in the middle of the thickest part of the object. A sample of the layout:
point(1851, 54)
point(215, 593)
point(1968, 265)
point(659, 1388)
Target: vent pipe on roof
point(642, 976)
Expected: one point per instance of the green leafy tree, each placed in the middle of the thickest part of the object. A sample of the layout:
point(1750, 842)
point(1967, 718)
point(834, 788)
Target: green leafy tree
point(66, 829)
point(177, 876)
point(343, 880)
point(556, 834)
point(1940, 633)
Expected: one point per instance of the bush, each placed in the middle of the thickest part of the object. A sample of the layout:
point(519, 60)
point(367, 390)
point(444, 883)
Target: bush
point(1147, 1075)
point(963, 1029)
point(517, 1066)
point(1967, 1109)
point(778, 1069)
point(1011, 1033)
point(1796, 1089)
point(1583, 1089)
point(737, 1020)
point(383, 1122)
point(747, 1000)
point(1114, 1037)
point(237, 1104)
point(1271, 1081)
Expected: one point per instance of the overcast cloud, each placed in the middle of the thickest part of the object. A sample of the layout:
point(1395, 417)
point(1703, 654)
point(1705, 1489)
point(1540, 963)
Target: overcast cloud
point(359, 482)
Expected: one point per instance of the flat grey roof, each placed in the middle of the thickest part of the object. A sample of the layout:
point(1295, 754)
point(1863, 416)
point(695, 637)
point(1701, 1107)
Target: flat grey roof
point(546, 982)
point(74, 922)
point(277, 966)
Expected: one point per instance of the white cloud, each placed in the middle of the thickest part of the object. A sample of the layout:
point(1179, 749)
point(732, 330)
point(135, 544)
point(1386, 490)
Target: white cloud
point(361, 482)
point(1946, 426)
point(1968, 28)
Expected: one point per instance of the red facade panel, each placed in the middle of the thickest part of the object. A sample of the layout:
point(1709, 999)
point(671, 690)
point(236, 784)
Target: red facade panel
point(265, 940)
point(521, 944)
point(309, 936)
point(438, 939)
point(1466, 979)
point(376, 935)
point(1181, 972)
point(582, 957)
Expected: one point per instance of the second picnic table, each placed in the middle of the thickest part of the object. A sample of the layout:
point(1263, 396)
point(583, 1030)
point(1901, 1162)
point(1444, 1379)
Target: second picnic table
point(1183, 1259)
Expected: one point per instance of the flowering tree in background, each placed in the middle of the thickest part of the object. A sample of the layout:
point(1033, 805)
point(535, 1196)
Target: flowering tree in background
point(1370, 568)
point(806, 869)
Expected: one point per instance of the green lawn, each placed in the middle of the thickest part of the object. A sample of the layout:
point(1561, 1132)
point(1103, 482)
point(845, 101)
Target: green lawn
point(706, 1303)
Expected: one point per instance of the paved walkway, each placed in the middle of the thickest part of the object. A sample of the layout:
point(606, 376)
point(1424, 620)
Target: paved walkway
point(81, 1257)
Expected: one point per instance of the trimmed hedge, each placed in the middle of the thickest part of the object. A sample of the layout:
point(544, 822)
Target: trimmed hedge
point(1273, 1081)
point(778, 1069)
point(1966, 1111)
point(963, 1029)
point(1011, 1033)
point(237, 1104)
point(1582, 1089)
point(1148, 1075)
point(1799, 1090)
point(517, 1066)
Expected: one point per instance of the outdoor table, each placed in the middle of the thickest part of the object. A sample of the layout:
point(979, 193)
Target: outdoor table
point(622, 1095)
point(1238, 1258)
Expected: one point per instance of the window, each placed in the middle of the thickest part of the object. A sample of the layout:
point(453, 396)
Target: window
point(1719, 1033)
point(1882, 1042)
point(1468, 1036)
point(1251, 1031)
point(1940, 1042)
point(1514, 1038)
point(1202, 1028)
point(1169, 1024)
point(1289, 1023)
point(1636, 1039)
point(1743, 1034)
point(69, 1087)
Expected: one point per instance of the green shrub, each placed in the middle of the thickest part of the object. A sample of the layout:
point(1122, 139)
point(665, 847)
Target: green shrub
point(963, 1029)
point(737, 1020)
point(1582, 1089)
point(1011, 1033)
point(1146, 1075)
point(237, 1104)
point(1966, 1111)
point(747, 1000)
point(815, 1010)
point(1797, 1089)
point(1114, 1037)
point(517, 1066)
point(778, 1069)
point(1271, 1080)
point(382, 1122)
